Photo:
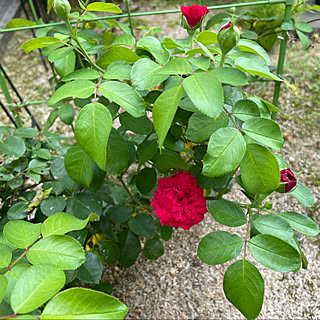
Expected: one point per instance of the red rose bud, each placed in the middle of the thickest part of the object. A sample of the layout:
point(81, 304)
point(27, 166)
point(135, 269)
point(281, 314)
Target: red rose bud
point(62, 8)
point(288, 181)
point(228, 37)
point(193, 16)
point(179, 201)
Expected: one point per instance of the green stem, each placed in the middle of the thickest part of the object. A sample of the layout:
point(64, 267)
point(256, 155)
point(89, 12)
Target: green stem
point(247, 234)
point(191, 40)
point(127, 189)
point(14, 262)
point(223, 57)
point(221, 192)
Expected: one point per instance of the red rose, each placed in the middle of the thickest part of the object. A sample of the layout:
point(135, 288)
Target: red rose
point(178, 201)
point(288, 178)
point(194, 14)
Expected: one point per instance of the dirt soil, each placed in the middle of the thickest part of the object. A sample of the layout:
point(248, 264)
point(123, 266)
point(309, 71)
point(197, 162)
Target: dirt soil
point(179, 285)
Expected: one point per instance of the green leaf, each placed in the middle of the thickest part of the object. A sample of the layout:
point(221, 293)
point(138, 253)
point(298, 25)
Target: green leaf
point(5, 258)
point(226, 148)
point(164, 110)
point(110, 251)
point(255, 65)
point(143, 225)
point(147, 150)
point(130, 248)
point(205, 91)
point(245, 109)
point(303, 195)
point(125, 96)
point(92, 130)
point(52, 205)
point(124, 39)
point(78, 88)
point(13, 146)
point(300, 223)
point(153, 249)
point(176, 65)
point(274, 253)
point(35, 286)
point(265, 131)
point(59, 53)
point(145, 74)
point(58, 250)
point(79, 165)
point(61, 223)
point(3, 286)
point(303, 26)
point(274, 226)
point(201, 62)
point(18, 22)
point(254, 47)
point(118, 70)
point(259, 170)
point(146, 179)
point(51, 119)
point(40, 42)
point(219, 247)
point(117, 153)
point(231, 76)
point(86, 74)
point(168, 160)
point(81, 303)
point(26, 132)
point(91, 270)
point(18, 211)
point(103, 7)
point(141, 125)
point(166, 232)
point(154, 46)
point(66, 113)
point(243, 286)
point(22, 234)
point(117, 54)
point(228, 213)
point(119, 213)
point(201, 127)
point(207, 37)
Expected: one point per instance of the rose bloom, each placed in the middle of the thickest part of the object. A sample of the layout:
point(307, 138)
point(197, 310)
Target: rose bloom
point(194, 14)
point(178, 201)
point(288, 177)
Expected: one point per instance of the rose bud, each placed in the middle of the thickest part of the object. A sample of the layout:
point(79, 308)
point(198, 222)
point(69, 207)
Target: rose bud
point(179, 201)
point(228, 37)
point(192, 16)
point(288, 181)
point(62, 8)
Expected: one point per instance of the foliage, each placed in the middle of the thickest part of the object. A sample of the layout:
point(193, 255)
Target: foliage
point(146, 108)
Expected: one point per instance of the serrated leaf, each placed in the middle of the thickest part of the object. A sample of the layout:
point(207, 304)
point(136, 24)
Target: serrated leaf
point(91, 270)
point(231, 76)
point(130, 248)
point(40, 42)
point(226, 148)
point(228, 213)
point(86, 74)
point(125, 96)
point(103, 7)
point(146, 179)
point(164, 110)
point(205, 91)
point(5, 257)
point(154, 46)
point(58, 250)
point(81, 303)
point(59, 53)
point(35, 286)
point(274, 253)
point(145, 74)
point(303, 195)
point(61, 223)
point(143, 225)
point(245, 109)
point(243, 286)
point(265, 131)
point(92, 130)
point(300, 223)
point(13, 146)
point(51, 205)
point(259, 170)
point(254, 47)
point(153, 249)
point(207, 37)
point(22, 234)
point(219, 247)
point(176, 65)
point(18, 22)
point(78, 88)
point(118, 71)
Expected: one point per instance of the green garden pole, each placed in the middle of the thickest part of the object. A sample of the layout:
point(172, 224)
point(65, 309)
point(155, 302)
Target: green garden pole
point(282, 53)
point(33, 10)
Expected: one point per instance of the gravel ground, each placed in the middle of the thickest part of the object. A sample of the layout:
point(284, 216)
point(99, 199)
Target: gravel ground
point(179, 285)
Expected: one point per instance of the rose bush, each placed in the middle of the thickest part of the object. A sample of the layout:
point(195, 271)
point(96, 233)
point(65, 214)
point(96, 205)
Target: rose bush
point(187, 123)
